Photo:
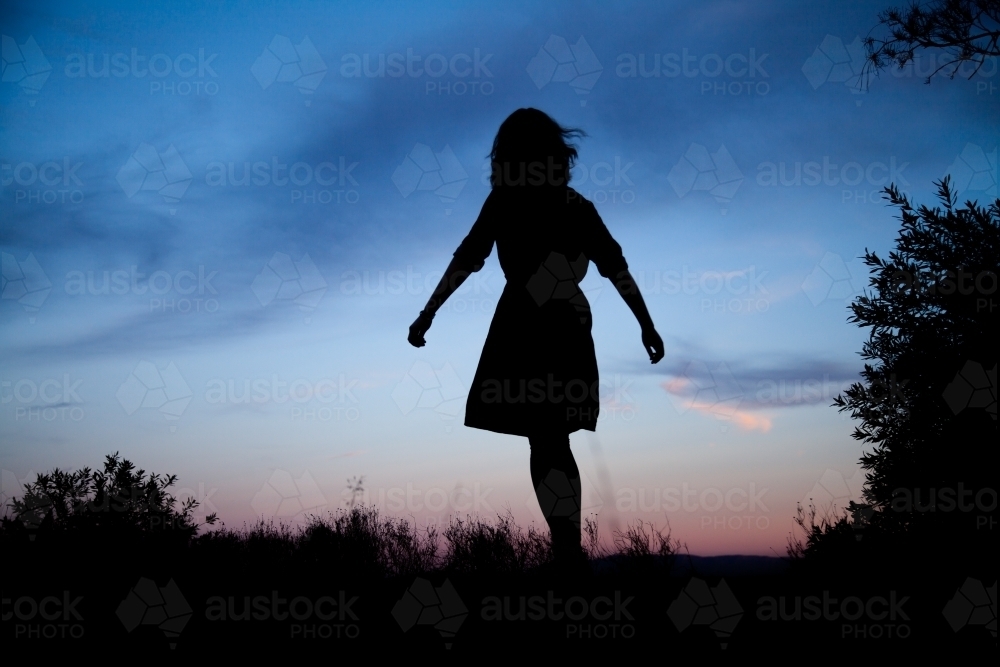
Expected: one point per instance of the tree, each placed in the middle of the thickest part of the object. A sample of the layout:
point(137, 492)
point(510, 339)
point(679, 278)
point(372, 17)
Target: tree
point(927, 402)
point(968, 30)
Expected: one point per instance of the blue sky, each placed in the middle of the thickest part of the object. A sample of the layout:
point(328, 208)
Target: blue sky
point(263, 219)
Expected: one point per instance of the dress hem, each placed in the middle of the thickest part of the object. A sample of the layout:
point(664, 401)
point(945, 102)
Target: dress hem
point(507, 431)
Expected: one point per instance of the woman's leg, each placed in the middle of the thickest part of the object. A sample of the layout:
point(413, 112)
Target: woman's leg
point(556, 479)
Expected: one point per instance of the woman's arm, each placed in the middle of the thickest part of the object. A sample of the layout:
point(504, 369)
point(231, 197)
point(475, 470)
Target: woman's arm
point(453, 277)
point(470, 257)
point(629, 291)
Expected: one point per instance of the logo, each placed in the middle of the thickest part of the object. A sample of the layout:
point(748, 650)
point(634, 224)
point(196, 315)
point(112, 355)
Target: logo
point(835, 63)
point(24, 65)
point(973, 604)
point(423, 387)
point(286, 280)
point(558, 279)
point(974, 171)
point(147, 387)
point(973, 387)
point(24, 281)
point(425, 604)
point(282, 496)
point(834, 490)
point(559, 62)
point(714, 172)
point(834, 280)
point(11, 487)
point(164, 172)
point(299, 64)
point(712, 390)
point(423, 169)
point(557, 494)
point(715, 607)
point(162, 606)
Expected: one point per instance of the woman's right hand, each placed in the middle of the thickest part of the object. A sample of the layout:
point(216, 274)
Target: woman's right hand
point(419, 328)
point(653, 343)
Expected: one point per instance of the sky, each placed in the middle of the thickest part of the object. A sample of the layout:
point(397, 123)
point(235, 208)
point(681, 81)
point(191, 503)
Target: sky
point(219, 222)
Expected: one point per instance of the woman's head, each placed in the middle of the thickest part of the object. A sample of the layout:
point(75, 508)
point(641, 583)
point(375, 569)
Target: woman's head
point(532, 149)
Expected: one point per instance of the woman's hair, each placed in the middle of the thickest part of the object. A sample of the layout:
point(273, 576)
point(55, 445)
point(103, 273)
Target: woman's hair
point(532, 149)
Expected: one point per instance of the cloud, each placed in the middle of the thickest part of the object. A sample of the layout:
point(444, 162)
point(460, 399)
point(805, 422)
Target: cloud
point(743, 419)
point(749, 422)
point(740, 390)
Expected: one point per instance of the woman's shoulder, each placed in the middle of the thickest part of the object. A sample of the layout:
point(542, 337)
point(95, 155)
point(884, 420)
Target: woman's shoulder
point(575, 199)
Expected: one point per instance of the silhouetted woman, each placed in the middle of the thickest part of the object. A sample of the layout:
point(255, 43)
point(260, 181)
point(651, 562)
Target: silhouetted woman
point(537, 376)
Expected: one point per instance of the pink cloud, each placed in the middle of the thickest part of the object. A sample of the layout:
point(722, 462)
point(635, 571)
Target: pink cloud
point(680, 389)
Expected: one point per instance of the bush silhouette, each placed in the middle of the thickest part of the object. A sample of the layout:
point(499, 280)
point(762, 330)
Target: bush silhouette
point(118, 500)
point(931, 313)
point(91, 513)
